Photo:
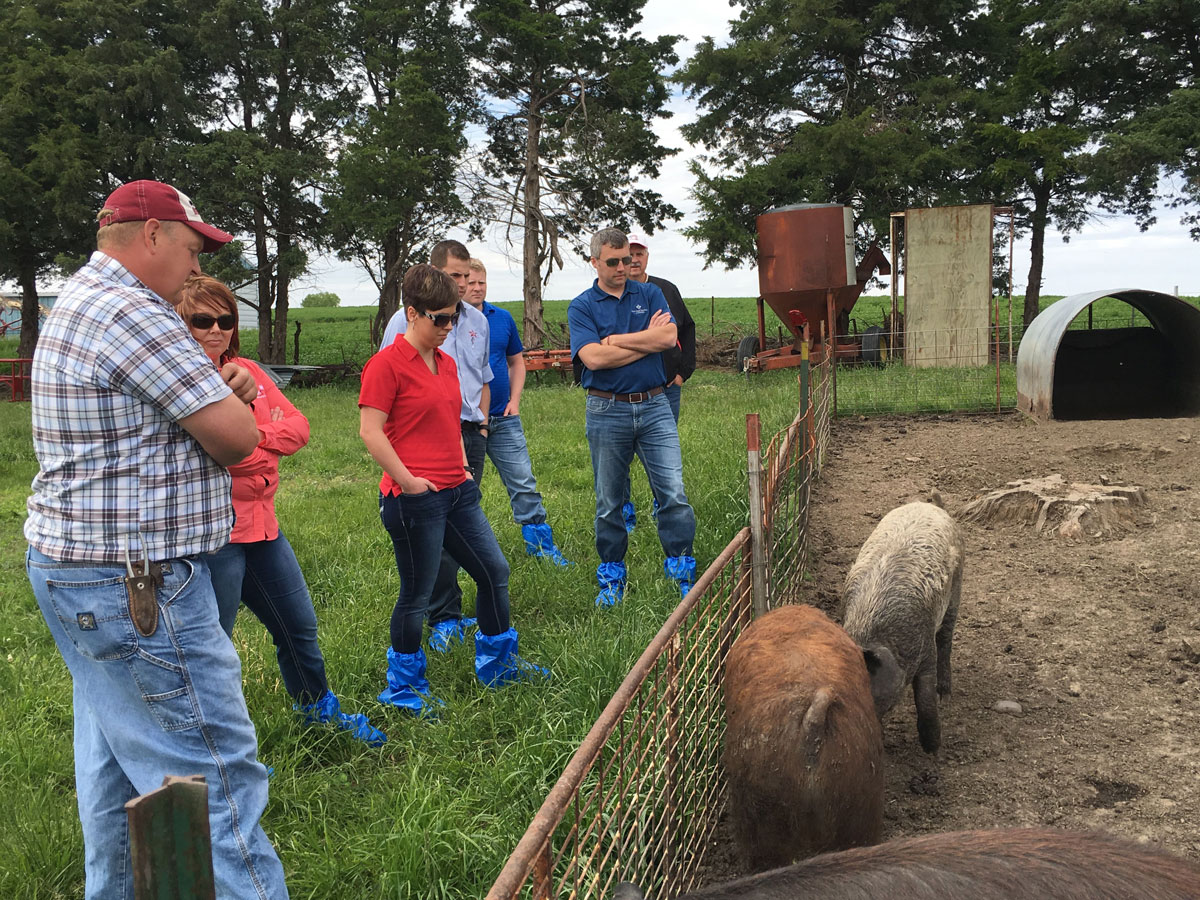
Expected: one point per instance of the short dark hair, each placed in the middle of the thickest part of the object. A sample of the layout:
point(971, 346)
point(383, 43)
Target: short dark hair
point(443, 250)
point(608, 237)
point(426, 288)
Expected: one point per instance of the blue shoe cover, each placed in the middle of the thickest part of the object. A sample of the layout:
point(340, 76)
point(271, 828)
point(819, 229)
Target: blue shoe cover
point(539, 541)
point(497, 662)
point(328, 709)
point(629, 514)
point(611, 577)
point(447, 634)
point(681, 569)
point(407, 687)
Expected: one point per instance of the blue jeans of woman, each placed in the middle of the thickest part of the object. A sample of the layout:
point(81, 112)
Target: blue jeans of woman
point(420, 525)
point(145, 707)
point(616, 432)
point(266, 577)
point(510, 455)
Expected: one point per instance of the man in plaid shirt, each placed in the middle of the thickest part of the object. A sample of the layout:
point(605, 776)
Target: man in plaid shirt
point(133, 427)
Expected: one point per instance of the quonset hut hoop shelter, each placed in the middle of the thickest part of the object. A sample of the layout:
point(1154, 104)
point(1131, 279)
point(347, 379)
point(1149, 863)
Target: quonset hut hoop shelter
point(1140, 371)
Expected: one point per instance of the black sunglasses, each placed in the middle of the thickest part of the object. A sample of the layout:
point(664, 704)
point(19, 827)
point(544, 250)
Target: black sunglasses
point(204, 321)
point(441, 320)
point(612, 261)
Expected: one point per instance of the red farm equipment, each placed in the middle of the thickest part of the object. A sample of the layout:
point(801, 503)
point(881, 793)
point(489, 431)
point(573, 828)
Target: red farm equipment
point(807, 275)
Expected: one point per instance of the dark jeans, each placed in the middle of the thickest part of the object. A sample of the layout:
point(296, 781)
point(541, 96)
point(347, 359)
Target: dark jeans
point(446, 599)
point(266, 577)
point(420, 526)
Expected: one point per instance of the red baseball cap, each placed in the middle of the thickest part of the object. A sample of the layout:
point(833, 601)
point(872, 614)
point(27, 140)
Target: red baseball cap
point(138, 201)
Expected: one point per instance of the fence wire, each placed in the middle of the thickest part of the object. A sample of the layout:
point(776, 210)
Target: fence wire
point(939, 370)
point(641, 797)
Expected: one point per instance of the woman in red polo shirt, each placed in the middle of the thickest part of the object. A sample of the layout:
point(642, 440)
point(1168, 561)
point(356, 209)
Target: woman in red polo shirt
point(409, 420)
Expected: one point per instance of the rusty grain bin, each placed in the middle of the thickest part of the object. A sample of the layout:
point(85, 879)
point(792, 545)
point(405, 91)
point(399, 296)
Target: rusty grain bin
point(805, 259)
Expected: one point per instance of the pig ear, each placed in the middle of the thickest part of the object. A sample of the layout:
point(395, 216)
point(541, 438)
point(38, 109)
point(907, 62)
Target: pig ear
point(885, 674)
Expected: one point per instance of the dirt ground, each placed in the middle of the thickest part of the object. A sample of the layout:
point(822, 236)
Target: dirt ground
point(1097, 641)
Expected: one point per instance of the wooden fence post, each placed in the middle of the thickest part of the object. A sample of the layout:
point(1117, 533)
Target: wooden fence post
point(170, 841)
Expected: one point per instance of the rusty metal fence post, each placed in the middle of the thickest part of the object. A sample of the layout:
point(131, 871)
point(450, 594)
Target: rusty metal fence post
point(170, 843)
point(758, 546)
point(642, 795)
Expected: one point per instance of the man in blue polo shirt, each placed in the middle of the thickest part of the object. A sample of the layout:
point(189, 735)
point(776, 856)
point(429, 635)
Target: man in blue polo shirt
point(619, 329)
point(506, 437)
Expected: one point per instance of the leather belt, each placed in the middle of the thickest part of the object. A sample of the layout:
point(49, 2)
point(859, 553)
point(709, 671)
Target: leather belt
point(638, 397)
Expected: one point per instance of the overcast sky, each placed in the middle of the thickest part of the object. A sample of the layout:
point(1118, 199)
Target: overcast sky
point(1110, 253)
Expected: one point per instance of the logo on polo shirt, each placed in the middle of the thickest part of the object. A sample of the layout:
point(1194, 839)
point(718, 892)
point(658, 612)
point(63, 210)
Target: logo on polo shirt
point(639, 308)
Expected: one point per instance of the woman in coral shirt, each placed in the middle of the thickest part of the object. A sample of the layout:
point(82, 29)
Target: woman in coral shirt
point(258, 567)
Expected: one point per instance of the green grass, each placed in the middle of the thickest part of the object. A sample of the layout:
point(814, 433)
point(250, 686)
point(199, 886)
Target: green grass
point(436, 811)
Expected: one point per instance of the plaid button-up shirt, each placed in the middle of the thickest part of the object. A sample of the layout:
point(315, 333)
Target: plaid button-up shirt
point(114, 371)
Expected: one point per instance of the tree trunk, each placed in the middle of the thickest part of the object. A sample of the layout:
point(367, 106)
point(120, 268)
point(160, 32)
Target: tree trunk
point(266, 289)
point(283, 278)
point(1037, 248)
point(535, 326)
point(389, 294)
point(29, 312)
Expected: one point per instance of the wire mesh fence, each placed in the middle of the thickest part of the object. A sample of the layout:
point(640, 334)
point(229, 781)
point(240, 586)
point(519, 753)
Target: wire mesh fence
point(641, 797)
point(942, 370)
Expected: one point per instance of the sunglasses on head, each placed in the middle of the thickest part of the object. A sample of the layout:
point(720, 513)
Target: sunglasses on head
point(204, 321)
point(613, 261)
point(441, 320)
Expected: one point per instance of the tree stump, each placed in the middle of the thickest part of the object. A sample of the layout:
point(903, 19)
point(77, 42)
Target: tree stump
point(1072, 511)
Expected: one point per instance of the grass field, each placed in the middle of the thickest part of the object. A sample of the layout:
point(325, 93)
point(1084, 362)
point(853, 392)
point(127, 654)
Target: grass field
point(436, 811)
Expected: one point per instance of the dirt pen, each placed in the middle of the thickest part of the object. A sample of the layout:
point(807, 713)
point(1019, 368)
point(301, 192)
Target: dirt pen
point(1077, 661)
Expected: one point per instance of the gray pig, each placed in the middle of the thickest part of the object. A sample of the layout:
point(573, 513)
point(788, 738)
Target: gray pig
point(900, 602)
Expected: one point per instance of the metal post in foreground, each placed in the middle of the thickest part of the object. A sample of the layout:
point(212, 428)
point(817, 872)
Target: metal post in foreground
point(758, 546)
point(170, 842)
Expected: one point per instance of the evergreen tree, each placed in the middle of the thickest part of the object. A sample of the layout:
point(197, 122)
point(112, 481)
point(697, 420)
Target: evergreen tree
point(823, 101)
point(91, 95)
point(574, 91)
point(396, 191)
point(278, 97)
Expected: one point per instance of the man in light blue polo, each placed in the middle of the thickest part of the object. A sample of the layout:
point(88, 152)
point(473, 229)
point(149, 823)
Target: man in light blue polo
point(619, 329)
point(467, 345)
point(506, 445)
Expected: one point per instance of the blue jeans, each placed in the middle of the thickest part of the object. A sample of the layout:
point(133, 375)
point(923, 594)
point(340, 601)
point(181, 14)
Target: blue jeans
point(420, 525)
point(267, 578)
point(616, 432)
point(445, 603)
point(510, 455)
point(673, 392)
point(145, 707)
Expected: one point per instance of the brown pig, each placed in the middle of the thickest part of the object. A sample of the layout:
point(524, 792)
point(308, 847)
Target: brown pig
point(803, 745)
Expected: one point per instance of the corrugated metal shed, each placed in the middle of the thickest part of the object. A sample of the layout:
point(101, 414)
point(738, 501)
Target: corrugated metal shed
point(1103, 373)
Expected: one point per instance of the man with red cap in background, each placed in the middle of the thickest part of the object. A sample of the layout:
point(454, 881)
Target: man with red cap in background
point(679, 362)
point(133, 427)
